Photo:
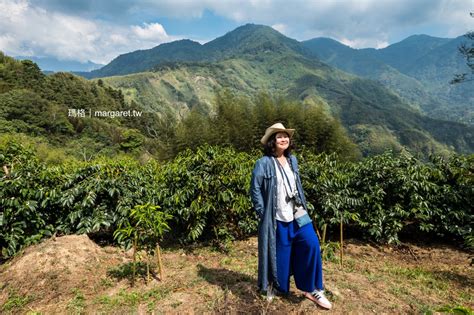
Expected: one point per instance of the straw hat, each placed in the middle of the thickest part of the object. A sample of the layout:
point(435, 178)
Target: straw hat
point(278, 127)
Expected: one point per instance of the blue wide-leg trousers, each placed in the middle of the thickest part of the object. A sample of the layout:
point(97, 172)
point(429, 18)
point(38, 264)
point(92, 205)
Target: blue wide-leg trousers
point(298, 253)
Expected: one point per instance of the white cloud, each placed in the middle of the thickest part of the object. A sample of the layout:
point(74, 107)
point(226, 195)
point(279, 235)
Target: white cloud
point(282, 28)
point(153, 31)
point(358, 43)
point(27, 30)
point(12, 10)
point(118, 39)
point(365, 23)
point(101, 30)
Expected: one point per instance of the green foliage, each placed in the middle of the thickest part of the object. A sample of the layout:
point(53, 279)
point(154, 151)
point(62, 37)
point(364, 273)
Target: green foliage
point(182, 109)
point(132, 140)
point(125, 271)
point(47, 106)
point(202, 194)
point(34, 114)
point(15, 302)
point(330, 250)
point(24, 218)
point(245, 40)
point(93, 197)
point(77, 304)
point(144, 228)
point(467, 51)
point(146, 225)
point(457, 310)
point(375, 140)
point(264, 60)
point(240, 123)
point(206, 191)
point(418, 69)
point(384, 194)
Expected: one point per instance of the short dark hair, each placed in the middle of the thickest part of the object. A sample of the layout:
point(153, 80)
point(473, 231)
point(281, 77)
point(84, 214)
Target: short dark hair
point(269, 147)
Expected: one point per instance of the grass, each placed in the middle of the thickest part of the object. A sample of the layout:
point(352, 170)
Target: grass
point(131, 299)
point(106, 282)
point(199, 279)
point(371, 276)
point(419, 277)
point(399, 291)
point(15, 302)
point(459, 310)
point(125, 271)
point(78, 303)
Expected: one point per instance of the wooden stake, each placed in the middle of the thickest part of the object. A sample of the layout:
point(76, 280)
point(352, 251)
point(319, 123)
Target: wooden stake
point(324, 232)
point(147, 267)
point(158, 258)
point(134, 267)
point(5, 169)
point(317, 231)
point(341, 240)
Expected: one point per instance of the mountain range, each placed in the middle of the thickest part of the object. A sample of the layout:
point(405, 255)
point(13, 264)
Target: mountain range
point(386, 98)
point(418, 69)
point(382, 102)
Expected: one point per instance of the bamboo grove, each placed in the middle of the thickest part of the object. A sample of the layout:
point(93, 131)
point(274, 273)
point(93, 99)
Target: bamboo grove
point(203, 195)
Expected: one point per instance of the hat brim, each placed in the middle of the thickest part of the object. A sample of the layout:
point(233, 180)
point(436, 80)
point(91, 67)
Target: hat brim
point(272, 131)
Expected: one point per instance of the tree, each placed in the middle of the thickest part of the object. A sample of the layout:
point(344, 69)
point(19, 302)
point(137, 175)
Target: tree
point(144, 229)
point(467, 50)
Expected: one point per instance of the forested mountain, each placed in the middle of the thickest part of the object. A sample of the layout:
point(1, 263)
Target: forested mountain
point(62, 115)
point(142, 60)
point(418, 69)
point(59, 110)
point(404, 54)
point(244, 40)
point(184, 80)
point(254, 58)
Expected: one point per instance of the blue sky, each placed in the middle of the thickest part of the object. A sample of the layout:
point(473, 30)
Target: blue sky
point(100, 30)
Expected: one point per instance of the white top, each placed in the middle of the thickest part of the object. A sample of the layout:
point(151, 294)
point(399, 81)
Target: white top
point(285, 209)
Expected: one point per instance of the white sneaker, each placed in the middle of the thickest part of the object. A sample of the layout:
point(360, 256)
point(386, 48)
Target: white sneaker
point(270, 293)
point(318, 297)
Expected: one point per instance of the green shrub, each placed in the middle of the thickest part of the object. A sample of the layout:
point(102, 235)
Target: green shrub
point(205, 191)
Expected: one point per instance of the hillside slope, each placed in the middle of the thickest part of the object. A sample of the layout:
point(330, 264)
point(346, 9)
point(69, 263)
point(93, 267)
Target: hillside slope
point(255, 58)
point(244, 40)
point(78, 276)
point(65, 111)
point(418, 69)
point(366, 108)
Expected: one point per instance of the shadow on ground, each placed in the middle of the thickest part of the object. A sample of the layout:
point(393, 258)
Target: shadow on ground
point(241, 290)
point(459, 279)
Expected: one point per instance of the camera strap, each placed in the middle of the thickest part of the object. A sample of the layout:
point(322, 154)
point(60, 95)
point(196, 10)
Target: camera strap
point(289, 190)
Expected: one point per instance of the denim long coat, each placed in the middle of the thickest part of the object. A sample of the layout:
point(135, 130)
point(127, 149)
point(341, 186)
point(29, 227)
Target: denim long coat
point(263, 192)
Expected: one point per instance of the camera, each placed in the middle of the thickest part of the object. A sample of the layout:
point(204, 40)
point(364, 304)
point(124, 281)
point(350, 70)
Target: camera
point(296, 198)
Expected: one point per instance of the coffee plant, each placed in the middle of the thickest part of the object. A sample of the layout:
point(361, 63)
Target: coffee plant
point(206, 191)
point(205, 194)
point(384, 194)
point(38, 201)
point(144, 229)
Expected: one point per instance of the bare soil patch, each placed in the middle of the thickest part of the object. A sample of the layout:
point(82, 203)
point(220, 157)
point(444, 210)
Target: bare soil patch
point(70, 275)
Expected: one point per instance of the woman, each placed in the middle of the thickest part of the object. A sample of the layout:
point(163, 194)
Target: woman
point(287, 243)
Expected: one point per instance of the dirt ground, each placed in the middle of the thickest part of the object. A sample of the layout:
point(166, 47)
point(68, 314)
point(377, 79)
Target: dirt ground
point(71, 275)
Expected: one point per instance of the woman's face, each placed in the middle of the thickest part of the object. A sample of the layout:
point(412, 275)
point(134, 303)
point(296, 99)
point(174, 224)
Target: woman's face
point(282, 141)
